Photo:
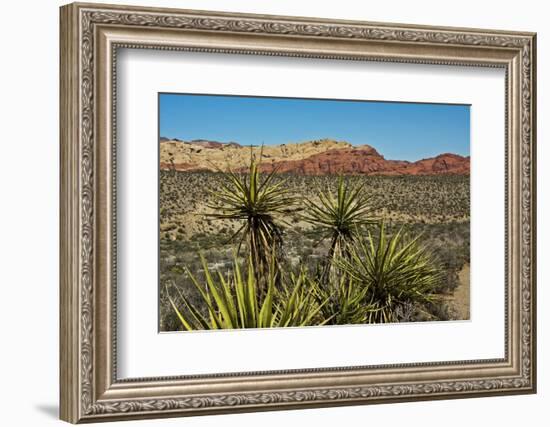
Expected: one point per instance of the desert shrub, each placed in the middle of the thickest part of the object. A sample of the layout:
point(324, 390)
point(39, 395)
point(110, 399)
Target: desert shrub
point(344, 301)
point(233, 301)
point(434, 209)
point(396, 271)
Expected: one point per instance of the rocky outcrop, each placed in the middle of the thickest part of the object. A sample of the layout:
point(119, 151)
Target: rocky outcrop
point(308, 158)
point(443, 164)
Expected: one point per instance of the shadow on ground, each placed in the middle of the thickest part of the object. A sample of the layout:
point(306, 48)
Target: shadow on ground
point(49, 410)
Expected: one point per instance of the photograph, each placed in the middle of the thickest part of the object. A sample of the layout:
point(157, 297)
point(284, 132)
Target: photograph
point(274, 209)
point(295, 212)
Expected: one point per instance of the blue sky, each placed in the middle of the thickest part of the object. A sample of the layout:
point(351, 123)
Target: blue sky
point(400, 131)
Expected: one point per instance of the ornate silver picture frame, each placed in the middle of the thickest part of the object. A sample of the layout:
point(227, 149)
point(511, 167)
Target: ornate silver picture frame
point(91, 35)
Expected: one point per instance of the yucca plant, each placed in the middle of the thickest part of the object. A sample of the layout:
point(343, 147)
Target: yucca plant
point(299, 304)
point(232, 301)
point(342, 217)
point(396, 271)
point(346, 301)
point(261, 206)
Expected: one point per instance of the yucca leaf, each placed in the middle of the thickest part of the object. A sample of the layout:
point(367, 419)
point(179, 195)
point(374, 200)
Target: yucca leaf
point(397, 270)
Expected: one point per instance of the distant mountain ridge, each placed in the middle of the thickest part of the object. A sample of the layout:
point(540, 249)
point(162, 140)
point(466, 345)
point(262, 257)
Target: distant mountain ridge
point(318, 157)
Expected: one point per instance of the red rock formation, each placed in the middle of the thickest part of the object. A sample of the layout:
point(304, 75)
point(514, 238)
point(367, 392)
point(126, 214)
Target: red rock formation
point(357, 161)
point(443, 164)
point(349, 160)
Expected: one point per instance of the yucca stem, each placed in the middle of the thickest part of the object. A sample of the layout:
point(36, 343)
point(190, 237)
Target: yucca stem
point(325, 275)
point(258, 261)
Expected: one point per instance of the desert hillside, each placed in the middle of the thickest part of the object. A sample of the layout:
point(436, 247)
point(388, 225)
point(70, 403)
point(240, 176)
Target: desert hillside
point(319, 157)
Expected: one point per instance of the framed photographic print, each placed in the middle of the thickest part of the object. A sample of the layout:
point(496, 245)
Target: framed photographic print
point(265, 212)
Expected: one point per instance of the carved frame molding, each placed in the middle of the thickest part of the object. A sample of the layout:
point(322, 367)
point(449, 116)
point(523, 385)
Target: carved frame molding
point(89, 39)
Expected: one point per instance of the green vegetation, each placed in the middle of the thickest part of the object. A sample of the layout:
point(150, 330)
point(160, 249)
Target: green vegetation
point(256, 205)
point(344, 302)
point(312, 250)
point(233, 302)
point(343, 218)
point(396, 271)
point(185, 196)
